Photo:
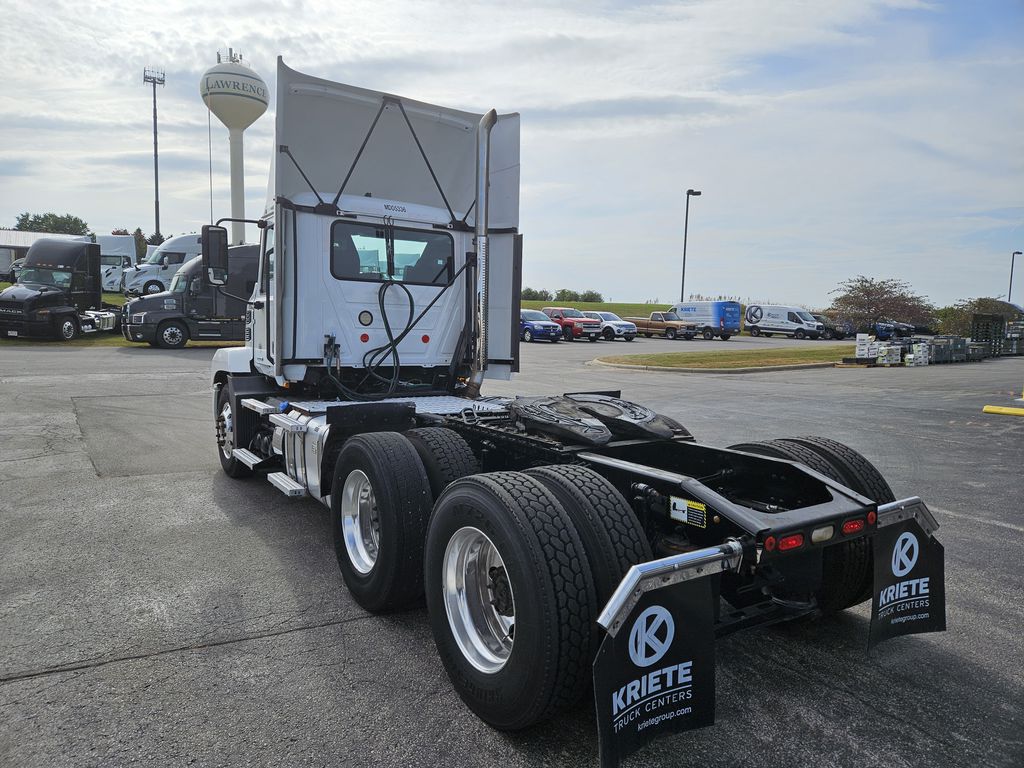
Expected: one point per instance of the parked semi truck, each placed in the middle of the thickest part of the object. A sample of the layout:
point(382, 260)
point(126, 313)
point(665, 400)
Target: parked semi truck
point(58, 293)
point(542, 531)
point(192, 308)
point(154, 273)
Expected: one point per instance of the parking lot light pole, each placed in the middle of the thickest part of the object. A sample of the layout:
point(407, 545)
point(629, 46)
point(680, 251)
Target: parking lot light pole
point(1009, 292)
point(686, 225)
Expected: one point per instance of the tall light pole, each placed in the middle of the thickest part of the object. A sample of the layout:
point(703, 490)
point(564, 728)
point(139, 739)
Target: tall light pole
point(686, 225)
point(156, 77)
point(1009, 293)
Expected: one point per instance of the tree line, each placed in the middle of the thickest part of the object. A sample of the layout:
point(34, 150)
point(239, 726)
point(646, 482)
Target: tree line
point(563, 295)
point(67, 224)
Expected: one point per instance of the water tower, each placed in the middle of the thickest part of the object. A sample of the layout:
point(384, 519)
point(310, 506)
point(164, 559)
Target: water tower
point(237, 96)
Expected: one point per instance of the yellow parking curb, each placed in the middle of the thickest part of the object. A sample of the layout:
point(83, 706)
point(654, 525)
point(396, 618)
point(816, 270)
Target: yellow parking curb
point(1003, 410)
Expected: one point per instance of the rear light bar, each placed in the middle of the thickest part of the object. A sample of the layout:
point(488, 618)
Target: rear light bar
point(792, 541)
point(853, 526)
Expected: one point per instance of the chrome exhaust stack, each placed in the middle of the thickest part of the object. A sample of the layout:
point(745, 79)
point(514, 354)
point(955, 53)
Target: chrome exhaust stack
point(478, 274)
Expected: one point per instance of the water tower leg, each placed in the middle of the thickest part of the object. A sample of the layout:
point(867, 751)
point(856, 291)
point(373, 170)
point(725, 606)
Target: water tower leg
point(237, 187)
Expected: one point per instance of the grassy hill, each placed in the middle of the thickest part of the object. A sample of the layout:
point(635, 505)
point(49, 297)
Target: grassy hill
point(620, 309)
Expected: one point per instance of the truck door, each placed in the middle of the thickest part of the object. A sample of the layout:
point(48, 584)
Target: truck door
point(202, 311)
point(85, 289)
point(260, 328)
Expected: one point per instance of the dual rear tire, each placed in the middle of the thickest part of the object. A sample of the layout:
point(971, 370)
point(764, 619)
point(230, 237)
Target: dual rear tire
point(515, 566)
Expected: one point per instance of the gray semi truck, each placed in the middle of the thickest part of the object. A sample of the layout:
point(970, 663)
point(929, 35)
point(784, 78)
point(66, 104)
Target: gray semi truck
point(551, 537)
point(58, 293)
point(192, 308)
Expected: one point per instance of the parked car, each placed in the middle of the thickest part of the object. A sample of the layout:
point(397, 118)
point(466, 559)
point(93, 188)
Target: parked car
point(574, 324)
point(902, 330)
point(880, 330)
point(667, 324)
point(612, 326)
point(713, 318)
point(834, 329)
point(535, 325)
point(797, 322)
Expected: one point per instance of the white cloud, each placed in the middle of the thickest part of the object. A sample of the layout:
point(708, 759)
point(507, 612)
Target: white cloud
point(865, 150)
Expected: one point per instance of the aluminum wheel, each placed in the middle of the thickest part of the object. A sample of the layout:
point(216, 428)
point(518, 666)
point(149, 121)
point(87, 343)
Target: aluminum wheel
point(360, 521)
point(226, 431)
point(478, 600)
point(68, 330)
point(172, 336)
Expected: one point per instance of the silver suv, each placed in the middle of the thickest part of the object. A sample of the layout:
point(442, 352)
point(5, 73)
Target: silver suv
point(612, 326)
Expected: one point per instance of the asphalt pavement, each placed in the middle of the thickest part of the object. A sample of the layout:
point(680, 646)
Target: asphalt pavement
point(154, 612)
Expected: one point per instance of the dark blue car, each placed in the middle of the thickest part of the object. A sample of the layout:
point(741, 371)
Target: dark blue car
point(534, 325)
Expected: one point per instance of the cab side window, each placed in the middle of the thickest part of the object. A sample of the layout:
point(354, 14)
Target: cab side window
point(793, 318)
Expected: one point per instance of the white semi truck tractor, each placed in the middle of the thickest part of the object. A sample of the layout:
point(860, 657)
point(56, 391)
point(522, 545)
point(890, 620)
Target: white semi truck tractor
point(544, 533)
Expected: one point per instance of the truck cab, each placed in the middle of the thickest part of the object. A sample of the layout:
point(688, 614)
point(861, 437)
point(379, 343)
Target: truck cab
point(57, 294)
point(154, 274)
point(192, 308)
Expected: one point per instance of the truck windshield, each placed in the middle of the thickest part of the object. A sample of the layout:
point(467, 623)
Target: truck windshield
point(375, 252)
point(157, 256)
point(179, 282)
point(572, 313)
point(56, 277)
point(671, 316)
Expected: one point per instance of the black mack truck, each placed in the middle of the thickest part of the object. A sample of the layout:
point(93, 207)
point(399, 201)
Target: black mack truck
point(552, 538)
point(58, 293)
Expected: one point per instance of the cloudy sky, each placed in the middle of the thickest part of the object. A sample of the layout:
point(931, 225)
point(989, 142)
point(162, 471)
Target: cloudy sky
point(830, 137)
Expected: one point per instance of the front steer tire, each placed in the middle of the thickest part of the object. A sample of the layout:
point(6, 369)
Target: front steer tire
point(545, 580)
point(378, 536)
point(225, 429)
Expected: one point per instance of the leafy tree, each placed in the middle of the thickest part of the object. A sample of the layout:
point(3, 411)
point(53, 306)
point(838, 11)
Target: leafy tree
point(566, 295)
point(140, 243)
point(864, 300)
point(533, 294)
point(51, 222)
point(591, 296)
point(956, 318)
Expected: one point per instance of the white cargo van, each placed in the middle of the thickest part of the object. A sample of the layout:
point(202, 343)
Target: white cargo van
point(766, 319)
point(154, 274)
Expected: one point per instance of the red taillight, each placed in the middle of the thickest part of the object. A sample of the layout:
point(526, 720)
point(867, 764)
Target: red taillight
point(364, 338)
point(769, 544)
point(872, 517)
point(792, 541)
point(425, 338)
point(853, 526)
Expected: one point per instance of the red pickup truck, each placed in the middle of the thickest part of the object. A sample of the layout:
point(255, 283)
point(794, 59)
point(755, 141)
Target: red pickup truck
point(575, 325)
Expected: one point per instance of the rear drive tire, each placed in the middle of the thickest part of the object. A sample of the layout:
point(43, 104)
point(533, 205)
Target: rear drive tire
point(612, 537)
point(380, 503)
point(172, 335)
point(755, 331)
point(445, 455)
point(510, 599)
point(225, 429)
point(708, 334)
point(846, 566)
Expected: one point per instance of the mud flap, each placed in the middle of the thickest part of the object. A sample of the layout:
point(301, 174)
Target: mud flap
point(654, 674)
point(909, 595)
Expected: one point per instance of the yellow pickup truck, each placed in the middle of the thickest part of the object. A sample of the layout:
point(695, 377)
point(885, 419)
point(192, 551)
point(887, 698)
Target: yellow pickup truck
point(667, 324)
